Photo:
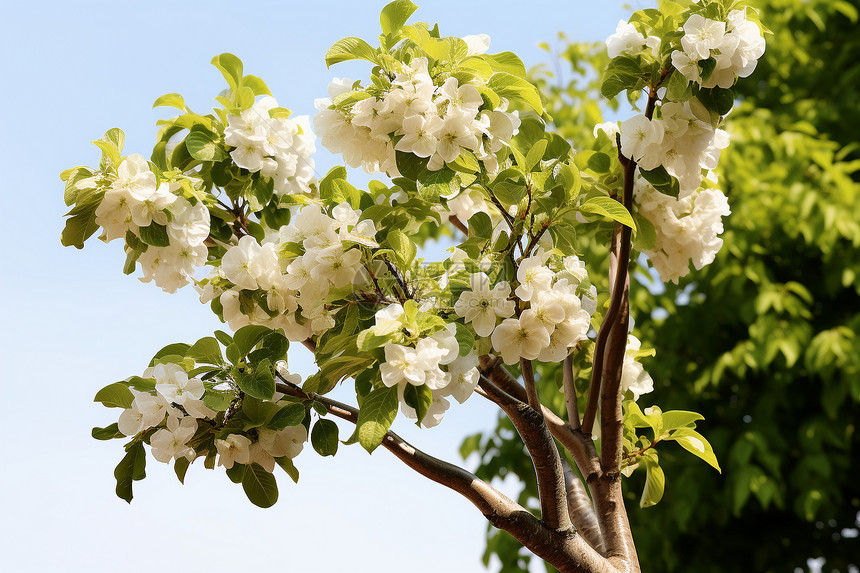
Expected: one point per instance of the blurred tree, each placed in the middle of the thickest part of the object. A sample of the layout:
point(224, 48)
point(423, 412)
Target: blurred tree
point(765, 342)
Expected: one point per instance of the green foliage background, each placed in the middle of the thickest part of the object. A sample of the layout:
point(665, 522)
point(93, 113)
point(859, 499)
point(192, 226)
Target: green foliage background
point(765, 342)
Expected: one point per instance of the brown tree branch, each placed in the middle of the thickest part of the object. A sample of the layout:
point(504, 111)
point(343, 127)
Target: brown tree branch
point(541, 447)
point(580, 447)
point(581, 509)
point(459, 224)
point(611, 418)
point(564, 549)
point(529, 380)
point(605, 489)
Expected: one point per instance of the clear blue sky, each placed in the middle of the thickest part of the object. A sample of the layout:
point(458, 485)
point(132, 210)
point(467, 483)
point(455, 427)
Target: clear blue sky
point(73, 323)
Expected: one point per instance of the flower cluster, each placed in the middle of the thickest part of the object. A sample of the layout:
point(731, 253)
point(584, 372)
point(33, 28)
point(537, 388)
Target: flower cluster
point(555, 319)
point(177, 413)
point(682, 140)
point(416, 115)
point(277, 147)
point(292, 272)
point(687, 228)
point(735, 45)
point(433, 361)
point(136, 203)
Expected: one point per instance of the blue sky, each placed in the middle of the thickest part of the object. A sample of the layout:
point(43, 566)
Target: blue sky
point(74, 323)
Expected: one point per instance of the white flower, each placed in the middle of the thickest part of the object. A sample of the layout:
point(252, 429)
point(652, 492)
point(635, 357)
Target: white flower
point(146, 412)
point(641, 139)
point(701, 35)
point(135, 178)
point(288, 442)
point(522, 337)
point(388, 320)
point(464, 377)
point(688, 67)
point(401, 363)
point(626, 39)
point(169, 443)
point(419, 135)
point(464, 99)
point(190, 224)
point(171, 381)
point(150, 205)
point(453, 134)
point(234, 449)
point(481, 306)
point(236, 263)
point(633, 375)
point(533, 277)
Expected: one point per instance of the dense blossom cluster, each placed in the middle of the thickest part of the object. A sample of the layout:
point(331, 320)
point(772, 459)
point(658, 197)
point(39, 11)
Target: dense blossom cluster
point(183, 426)
point(277, 147)
point(432, 360)
point(554, 319)
point(417, 116)
point(135, 200)
point(293, 271)
point(687, 228)
point(684, 139)
point(735, 45)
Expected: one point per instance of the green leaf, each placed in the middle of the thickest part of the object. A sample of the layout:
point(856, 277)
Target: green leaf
point(432, 184)
point(674, 419)
point(571, 181)
point(465, 339)
point(696, 444)
point(395, 15)
point(205, 145)
point(660, 179)
point(170, 100)
point(678, 88)
point(287, 465)
point(155, 235)
point(608, 207)
point(480, 225)
point(512, 87)
point(260, 486)
point(205, 351)
point(377, 413)
point(289, 415)
point(248, 337)
point(107, 433)
point(418, 398)
point(175, 349)
point(404, 249)
point(718, 100)
point(350, 49)
point(79, 228)
point(258, 87)
point(231, 68)
point(599, 162)
point(258, 384)
point(324, 437)
point(535, 154)
point(131, 468)
point(655, 483)
point(116, 395)
point(180, 467)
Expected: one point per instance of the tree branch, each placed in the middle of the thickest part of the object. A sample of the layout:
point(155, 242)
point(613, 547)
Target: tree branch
point(580, 447)
point(564, 549)
point(540, 446)
point(581, 510)
point(529, 380)
point(459, 224)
